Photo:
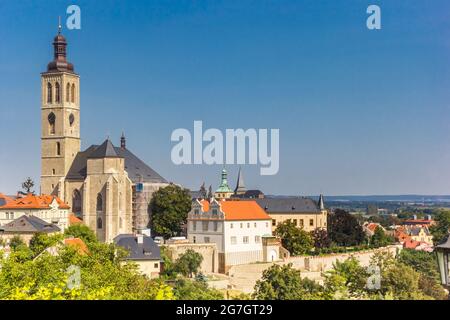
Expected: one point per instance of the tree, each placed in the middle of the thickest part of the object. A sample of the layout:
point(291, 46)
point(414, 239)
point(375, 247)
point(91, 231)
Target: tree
point(81, 231)
point(421, 261)
point(380, 238)
point(350, 274)
point(185, 289)
point(295, 240)
point(27, 185)
point(188, 263)
point(344, 229)
point(169, 207)
point(285, 283)
point(320, 238)
point(41, 241)
point(441, 229)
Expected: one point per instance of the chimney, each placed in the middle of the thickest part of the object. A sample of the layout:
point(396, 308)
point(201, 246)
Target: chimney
point(140, 238)
point(414, 217)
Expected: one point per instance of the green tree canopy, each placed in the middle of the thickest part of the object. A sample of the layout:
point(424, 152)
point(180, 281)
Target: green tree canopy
point(295, 240)
point(344, 229)
point(188, 263)
point(41, 241)
point(169, 207)
point(81, 231)
point(441, 229)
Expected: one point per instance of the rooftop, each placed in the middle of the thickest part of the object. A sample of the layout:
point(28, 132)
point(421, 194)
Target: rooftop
point(31, 201)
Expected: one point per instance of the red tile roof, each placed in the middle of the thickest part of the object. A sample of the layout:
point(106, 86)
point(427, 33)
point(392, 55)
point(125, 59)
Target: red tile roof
point(74, 220)
point(239, 210)
point(31, 201)
point(77, 243)
point(5, 199)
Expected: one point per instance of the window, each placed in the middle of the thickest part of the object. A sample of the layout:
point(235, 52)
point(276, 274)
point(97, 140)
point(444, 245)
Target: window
point(267, 224)
point(57, 93)
point(215, 224)
point(11, 215)
point(248, 225)
point(194, 239)
point(196, 211)
point(231, 226)
point(71, 119)
point(156, 265)
point(58, 149)
point(245, 239)
point(206, 239)
point(68, 92)
point(257, 239)
point(274, 222)
point(76, 202)
point(99, 202)
point(295, 222)
point(51, 122)
point(214, 211)
point(311, 222)
point(301, 223)
point(53, 171)
point(242, 225)
point(73, 93)
point(233, 240)
point(99, 223)
point(205, 225)
point(49, 93)
point(194, 225)
point(254, 225)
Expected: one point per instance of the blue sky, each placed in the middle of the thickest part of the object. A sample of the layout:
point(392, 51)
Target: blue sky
point(359, 111)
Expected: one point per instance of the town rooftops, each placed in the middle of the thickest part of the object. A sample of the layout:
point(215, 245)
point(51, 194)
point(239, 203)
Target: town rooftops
point(73, 219)
point(31, 201)
point(238, 210)
point(137, 170)
point(139, 247)
point(4, 199)
point(29, 224)
point(288, 205)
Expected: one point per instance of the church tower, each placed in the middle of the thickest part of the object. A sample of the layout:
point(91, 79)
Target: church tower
point(60, 118)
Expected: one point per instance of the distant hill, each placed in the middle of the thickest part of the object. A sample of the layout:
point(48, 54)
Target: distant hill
point(380, 198)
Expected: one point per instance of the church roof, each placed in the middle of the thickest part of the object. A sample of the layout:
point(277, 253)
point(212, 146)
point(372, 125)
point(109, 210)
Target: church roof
point(147, 250)
point(105, 150)
point(288, 205)
point(137, 170)
point(240, 186)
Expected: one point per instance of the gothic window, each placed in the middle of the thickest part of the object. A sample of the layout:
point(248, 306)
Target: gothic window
point(57, 93)
point(76, 203)
point(68, 92)
point(49, 93)
point(99, 202)
point(58, 149)
point(99, 223)
point(51, 122)
point(73, 93)
point(71, 119)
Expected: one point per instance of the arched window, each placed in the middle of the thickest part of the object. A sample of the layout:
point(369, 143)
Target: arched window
point(73, 93)
point(57, 93)
point(68, 92)
point(51, 122)
point(99, 223)
point(76, 203)
point(49, 93)
point(58, 149)
point(71, 119)
point(99, 202)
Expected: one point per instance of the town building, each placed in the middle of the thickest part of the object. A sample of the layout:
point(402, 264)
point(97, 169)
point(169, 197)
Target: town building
point(224, 191)
point(303, 212)
point(50, 209)
point(143, 251)
point(236, 227)
point(26, 227)
point(106, 186)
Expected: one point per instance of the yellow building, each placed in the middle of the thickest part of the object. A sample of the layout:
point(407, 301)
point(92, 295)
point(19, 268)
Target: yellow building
point(303, 212)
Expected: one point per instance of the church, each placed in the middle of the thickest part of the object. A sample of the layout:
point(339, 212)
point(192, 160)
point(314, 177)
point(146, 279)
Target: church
point(108, 187)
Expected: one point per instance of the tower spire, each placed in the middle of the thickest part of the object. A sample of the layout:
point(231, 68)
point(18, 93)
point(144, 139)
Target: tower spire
point(59, 25)
point(240, 186)
point(123, 141)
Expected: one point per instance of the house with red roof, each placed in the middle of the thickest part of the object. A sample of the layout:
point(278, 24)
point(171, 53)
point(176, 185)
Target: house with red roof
point(49, 208)
point(241, 230)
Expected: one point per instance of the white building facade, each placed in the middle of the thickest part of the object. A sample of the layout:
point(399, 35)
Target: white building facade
point(236, 227)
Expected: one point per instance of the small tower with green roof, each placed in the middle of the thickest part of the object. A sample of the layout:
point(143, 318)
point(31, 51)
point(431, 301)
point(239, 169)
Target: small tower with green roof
point(224, 191)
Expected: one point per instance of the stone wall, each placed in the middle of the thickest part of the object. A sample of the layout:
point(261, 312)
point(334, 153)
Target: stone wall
point(210, 263)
